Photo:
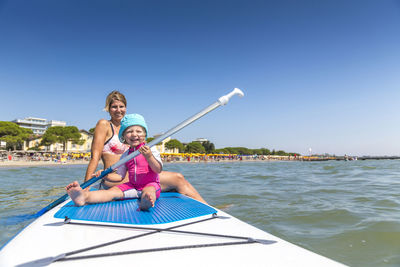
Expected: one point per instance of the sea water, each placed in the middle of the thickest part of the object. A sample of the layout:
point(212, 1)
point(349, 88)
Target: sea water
point(348, 211)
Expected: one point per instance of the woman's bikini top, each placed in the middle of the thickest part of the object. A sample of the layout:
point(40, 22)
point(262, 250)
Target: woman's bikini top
point(113, 145)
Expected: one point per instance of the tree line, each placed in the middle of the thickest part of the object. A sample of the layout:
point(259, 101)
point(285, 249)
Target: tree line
point(15, 135)
point(209, 148)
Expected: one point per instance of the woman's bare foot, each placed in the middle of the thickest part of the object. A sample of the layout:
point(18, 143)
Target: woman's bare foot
point(76, 193)
point(147, 200)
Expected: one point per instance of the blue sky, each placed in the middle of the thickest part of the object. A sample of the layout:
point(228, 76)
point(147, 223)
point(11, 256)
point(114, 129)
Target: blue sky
point(317, 74)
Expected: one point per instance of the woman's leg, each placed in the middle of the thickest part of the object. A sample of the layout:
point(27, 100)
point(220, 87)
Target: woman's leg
point(175, 181)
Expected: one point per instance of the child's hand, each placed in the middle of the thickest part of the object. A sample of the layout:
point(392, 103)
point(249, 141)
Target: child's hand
point(146, 152)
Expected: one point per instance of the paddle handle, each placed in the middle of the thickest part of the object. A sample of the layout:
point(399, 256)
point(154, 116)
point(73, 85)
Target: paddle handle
point(223, 100)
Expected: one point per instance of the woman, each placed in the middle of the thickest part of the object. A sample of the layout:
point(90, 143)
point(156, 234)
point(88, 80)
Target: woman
point(107, 147)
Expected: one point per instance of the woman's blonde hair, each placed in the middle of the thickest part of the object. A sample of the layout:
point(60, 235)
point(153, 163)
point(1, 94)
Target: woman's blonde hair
point(114, 95)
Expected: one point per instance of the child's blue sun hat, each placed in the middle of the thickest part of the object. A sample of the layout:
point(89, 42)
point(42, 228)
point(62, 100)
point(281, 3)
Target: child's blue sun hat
point(130, 120)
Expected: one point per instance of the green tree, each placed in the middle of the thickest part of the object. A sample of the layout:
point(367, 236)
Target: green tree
point(240, 150)
point(265, 151)
point(231, 150)
point(62, 135)
point(91, 130)
point(148, 140)
point(281, 153)
point(244, 151)
point(194, 147)
point(13, 134)
point(208, 146)
point(249, 151)
point(174, 143)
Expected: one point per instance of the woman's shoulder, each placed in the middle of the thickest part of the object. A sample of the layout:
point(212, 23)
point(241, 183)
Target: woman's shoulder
point(103, 128)
point(103, 123)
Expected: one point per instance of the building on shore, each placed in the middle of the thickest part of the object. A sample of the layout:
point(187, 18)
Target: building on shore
point(38, 125)
point(161, 146)
point(58, 147)
point(201, 140)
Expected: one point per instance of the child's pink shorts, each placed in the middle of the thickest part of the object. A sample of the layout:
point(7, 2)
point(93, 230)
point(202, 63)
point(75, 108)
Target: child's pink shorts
point(129, 190)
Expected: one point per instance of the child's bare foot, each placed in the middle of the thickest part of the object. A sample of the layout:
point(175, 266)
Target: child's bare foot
point(147, 200)
point(76, 193)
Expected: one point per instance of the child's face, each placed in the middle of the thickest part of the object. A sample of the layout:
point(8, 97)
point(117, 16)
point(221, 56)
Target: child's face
point(135, 135)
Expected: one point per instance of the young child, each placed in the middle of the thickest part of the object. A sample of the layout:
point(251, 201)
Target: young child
point(143, 170)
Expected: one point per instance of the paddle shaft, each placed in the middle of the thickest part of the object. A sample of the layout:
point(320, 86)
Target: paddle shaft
point(223, 100)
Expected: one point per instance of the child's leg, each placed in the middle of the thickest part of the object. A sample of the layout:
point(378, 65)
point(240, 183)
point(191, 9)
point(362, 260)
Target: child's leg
point(148, 197)
point(82, 196)
point(76, 193)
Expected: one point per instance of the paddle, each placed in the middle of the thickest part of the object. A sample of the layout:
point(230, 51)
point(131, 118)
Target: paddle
point(223, 100)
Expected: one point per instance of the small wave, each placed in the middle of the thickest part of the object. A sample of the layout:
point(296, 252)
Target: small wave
point(262, 177)
point(329, 218)
point(363, 199)
point(332, 191)
point(329, 168)
point(387, 203)
point(241, 196)
point(224, 207)
point(368, 167)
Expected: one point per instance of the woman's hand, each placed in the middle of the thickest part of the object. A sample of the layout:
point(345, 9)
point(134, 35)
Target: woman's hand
point(97, 173)
point(112, 177)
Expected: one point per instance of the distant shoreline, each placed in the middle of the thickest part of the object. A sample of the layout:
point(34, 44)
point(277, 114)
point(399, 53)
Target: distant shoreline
point(24, 164)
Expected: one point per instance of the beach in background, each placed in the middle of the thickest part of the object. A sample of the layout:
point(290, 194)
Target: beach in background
point(22, 163)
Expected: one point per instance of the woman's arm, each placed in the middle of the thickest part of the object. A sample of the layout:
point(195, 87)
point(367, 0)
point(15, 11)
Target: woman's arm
point(114, 177)
point(99, 138)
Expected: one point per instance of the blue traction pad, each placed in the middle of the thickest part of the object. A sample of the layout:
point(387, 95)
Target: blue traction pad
point(170, 207)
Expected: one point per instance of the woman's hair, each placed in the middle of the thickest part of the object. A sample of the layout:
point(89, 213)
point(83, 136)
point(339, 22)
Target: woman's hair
point(114, 95)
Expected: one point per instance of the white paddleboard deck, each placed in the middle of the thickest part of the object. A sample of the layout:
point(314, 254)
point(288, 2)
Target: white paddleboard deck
point(48, 238)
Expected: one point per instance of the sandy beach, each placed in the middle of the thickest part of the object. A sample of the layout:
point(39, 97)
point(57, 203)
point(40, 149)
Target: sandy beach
point(22, 163)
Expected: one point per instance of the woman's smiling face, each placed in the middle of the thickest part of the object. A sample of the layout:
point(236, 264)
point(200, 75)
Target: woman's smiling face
point(117, 110)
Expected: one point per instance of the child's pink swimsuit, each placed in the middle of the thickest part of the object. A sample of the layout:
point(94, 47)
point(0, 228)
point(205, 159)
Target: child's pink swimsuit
point(140, 173)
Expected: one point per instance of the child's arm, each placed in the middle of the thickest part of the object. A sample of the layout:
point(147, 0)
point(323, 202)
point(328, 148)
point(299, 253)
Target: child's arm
point(154, 164)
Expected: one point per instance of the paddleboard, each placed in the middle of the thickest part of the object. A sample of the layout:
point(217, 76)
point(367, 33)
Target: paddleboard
point(178, 231)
